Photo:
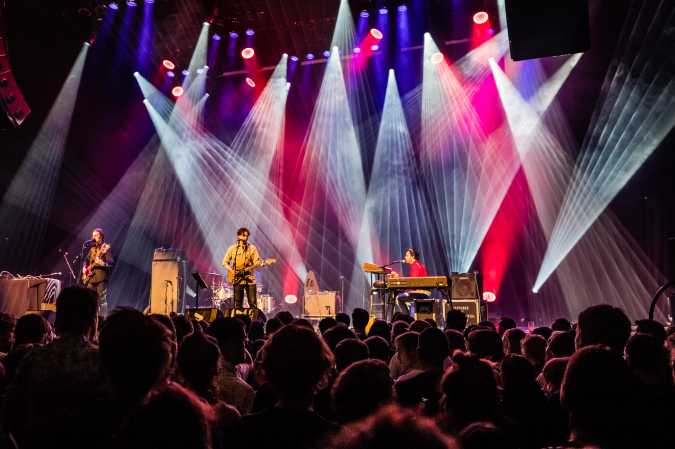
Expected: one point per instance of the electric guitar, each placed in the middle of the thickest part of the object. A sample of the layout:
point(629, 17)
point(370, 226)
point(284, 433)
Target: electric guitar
point(88, 271)
point(235, 277)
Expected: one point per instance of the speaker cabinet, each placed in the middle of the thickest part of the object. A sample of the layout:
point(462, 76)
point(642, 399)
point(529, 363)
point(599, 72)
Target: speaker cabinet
point(470, 307)
point(425, 308)
point(464, 286)
point(547, 28)
point(319, 305)
point(167, 282)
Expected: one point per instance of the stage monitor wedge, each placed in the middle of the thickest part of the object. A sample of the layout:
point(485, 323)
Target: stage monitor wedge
point(538, 29)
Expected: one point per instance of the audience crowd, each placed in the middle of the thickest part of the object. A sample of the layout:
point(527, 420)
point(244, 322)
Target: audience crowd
point(152, 381)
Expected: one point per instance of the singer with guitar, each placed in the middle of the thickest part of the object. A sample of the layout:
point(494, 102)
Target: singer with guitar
point(97, 263)
point(239, 261)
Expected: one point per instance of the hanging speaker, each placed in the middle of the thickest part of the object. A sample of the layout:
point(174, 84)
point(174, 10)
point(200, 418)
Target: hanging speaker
point(11, 97)
point(539, 28)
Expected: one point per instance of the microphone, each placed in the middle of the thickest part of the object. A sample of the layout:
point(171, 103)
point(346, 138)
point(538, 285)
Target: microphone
point(168, 282)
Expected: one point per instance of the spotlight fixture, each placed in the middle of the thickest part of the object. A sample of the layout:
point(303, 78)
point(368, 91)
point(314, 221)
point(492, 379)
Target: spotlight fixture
point(402, 8)
point(177, 91)
point(149, 2)
point(216, 37)
point(250, 32)
point(185, 72)
point(114, 6)
point(326, 54)
point(480, 17)
point(131, 3)
point(357, 50)
point(374, 47)
point(247, 53)
point(169, 65)
point(233, 35)
point(294, 58)
point(383, 11)
point(250, 81)
point(377, 34)
point(170, 74)
point(437, 58)
point(364, 14)
point(309, 56)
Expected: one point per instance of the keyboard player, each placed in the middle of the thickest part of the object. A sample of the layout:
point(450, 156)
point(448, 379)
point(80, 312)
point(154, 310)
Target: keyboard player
point(417, 269)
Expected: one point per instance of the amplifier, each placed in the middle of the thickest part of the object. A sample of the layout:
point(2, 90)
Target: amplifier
point(251, 312)
point(425, 308)
point(167, 281)
point(470, 307)
point(320, 304)
point(208, 314)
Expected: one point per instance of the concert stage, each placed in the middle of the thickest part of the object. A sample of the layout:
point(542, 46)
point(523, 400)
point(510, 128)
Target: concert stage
point(342, 133)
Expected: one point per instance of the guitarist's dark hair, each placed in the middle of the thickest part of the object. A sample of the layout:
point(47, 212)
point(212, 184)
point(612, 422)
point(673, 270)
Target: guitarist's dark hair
point(100, 231)
point(240, 231)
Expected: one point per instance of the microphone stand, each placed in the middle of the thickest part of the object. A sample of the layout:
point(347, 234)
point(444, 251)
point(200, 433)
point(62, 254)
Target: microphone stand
point(70, 268)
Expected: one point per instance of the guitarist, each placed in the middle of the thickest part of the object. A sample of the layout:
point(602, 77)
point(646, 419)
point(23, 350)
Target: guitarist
point(97, 264)
point(238, 256)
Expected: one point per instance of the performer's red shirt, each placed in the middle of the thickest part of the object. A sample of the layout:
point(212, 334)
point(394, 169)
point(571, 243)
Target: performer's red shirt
point(417, 269)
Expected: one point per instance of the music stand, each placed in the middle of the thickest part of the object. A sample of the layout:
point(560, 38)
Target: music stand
point(200, 284)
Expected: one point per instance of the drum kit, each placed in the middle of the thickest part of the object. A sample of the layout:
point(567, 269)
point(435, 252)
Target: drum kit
point(222, 294)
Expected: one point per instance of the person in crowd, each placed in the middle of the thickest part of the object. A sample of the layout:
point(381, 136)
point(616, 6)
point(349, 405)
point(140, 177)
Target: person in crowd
point(360, 318)
point(398, 328)
point(7, 324)
point(136, 356)
point(486, 344)
point(256, 331)
point(183, 326)
point(534, 350)
point(505, 324)
point(423, 387)
point(349, 351)
point(469, 393)
point(361, 389)
point(285, 317)
point(231, 337)
point(419, 325)
point(647, 359)
point(380, 328)
point(551, 379)
point(295, 361)
point(603, 325)
point(651, 327)
point(523, 402)
point(544, 331)
point(378, 348)
point(484, 435)
point(597, 391)
point(561, 344)
point(512, 340)
point(199, 362)
point(173, 417)
point(52, 401)
point(392, 427)
point(271, 326)
point(562, 325)
point(455, 319)
point(326, 323)
point(404, 359)
point(336, 334)
point(343, 318)
point(400, 316)
point(456, 341)
point(32, 330)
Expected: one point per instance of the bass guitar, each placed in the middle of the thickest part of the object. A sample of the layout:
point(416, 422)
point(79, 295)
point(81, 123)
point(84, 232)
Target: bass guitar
point(235, 277)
